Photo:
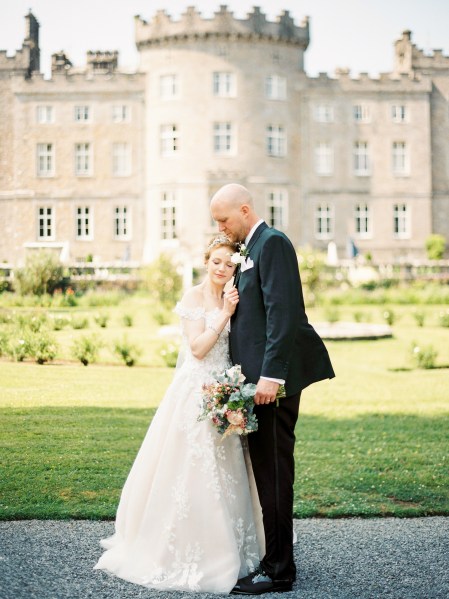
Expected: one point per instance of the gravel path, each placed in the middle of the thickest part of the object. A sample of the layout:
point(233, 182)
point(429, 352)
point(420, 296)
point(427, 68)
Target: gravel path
point(337, 559)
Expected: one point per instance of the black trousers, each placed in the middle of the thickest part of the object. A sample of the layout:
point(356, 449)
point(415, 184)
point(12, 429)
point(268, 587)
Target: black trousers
point(272, 456)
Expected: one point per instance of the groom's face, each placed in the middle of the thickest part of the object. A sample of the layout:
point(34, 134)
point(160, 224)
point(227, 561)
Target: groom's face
point(230, 220)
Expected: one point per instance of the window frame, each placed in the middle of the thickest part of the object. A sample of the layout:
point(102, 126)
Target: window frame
point(324, 159)
point(406, 219)
point(123, 160)
point(87, 156)
point(50, 217)
point(82, 113)
point(84, 223)
point(48, 156)
point(277, 199)
point(122, 225)
point(276, 141)
point(319, 218)
point(357, 154)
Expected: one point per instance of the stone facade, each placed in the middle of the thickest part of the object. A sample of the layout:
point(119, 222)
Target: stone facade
point(217, 100)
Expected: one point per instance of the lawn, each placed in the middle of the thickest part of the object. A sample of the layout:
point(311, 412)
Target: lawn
point(371, 442)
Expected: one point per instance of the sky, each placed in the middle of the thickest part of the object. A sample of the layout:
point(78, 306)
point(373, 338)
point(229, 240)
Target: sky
point(355, 34)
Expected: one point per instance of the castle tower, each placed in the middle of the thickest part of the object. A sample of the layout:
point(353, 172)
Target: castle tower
point(32, 41)
point(222, 105)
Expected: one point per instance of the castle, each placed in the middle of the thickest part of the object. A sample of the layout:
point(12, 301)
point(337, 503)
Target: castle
point(121, 166)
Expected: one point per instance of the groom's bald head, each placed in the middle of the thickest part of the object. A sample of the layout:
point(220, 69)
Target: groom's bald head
point(233, 209)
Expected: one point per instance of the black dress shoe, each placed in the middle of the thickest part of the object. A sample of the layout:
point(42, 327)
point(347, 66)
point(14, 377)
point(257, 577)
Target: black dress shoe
point(258, 582)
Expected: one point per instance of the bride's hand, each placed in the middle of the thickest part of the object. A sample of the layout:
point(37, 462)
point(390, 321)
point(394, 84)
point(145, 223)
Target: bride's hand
point(231, 299)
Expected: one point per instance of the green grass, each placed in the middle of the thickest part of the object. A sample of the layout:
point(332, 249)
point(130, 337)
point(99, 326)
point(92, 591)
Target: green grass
point(371, 442)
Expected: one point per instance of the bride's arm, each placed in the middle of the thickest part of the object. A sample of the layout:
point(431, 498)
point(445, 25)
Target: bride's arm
point(202, 338)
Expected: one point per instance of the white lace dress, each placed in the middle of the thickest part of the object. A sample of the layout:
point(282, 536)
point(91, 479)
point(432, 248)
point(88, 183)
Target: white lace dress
point(189, 516)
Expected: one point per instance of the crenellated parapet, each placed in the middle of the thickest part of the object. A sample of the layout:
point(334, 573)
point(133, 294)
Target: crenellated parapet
point(163, 28)
point(409, 58)
point(363, 83)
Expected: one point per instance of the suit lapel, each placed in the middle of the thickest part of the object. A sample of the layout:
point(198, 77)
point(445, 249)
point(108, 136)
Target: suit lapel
point(256, 235)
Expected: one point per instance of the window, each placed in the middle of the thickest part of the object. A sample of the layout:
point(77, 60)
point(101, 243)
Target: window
point(223, 84)
point(324, 159)
point(169, 140)
point(46, 223)
point(275, 87)
point(45, 160)
point(44, 114)
point(121, 159)
point(278, 209)
point(400, 159)
point(361, 159)
point(223, 138)
point(168, 86)
point(398, 113)
point(361, 113)
point(276, 142)
point(121, 113)
point(122, 228)
point(168, 215)
point(83, 159)
point(401, 221)
point(323, 113)
point(362, 219)
point(82, 114)
point(323, 221)
point(83, 222)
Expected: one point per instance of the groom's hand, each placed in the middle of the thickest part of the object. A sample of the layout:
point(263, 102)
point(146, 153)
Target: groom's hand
point(265, 392)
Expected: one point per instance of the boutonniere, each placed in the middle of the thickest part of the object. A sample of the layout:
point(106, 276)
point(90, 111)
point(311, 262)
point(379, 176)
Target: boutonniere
point(242, 259)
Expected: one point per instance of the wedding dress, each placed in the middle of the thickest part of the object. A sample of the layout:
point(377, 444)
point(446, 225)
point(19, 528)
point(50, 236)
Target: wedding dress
point(189, 516)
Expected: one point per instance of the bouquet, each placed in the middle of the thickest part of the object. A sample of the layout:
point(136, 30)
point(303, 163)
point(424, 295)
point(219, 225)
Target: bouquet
point(229, 403)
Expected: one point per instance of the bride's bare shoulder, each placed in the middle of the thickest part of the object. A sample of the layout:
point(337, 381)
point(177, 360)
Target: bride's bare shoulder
point(193, 298)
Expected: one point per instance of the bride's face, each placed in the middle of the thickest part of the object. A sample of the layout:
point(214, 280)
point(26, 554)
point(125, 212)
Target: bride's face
point(220, 269)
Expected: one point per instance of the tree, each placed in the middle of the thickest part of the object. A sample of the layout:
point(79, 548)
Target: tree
point(43, 273)
point(435, 246)
point(163, 281)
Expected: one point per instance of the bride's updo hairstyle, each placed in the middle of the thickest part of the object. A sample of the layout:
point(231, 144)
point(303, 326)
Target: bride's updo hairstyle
point(219, 242)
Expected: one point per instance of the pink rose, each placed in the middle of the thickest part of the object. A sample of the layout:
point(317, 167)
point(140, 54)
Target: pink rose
point(235, 418)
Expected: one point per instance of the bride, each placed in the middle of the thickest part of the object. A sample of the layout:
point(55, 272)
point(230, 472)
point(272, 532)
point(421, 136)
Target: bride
point(189, 517)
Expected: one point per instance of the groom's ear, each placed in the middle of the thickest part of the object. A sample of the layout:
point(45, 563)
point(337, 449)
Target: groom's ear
point(244, 209)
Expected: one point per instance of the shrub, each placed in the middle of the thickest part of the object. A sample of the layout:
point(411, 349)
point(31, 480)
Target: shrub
point(43, 348)
point(332, 315)
point(35, 322)
point(19, 346)
point(420, 317)
point(389, 316)
point(128, 352)
point(424, 357)
point(65, 300)
point(435, 246)
point(163, 281)
point(4, 343)
point(127, 320)
point(5, 317)
point(444, 318)
point(311, 266)
point(85, 349)
point(102, 319)
point(95, 299)
point(80, 322)
point(169, 353)
point(59, 322)
point(42, 274)
point(162, 316)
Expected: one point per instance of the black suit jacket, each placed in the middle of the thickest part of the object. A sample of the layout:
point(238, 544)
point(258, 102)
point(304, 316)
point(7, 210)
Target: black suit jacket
point(270, 334)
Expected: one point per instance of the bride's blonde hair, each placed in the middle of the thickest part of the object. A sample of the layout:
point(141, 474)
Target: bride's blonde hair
point(218, 242)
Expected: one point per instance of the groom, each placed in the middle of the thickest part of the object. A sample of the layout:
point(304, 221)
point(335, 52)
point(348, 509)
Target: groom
point(274, 343)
